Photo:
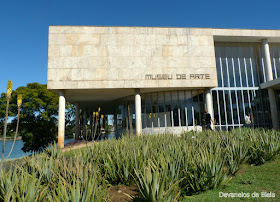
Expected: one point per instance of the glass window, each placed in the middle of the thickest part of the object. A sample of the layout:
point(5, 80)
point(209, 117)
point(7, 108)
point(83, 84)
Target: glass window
point(161, 115)
point(174, 96)
point(168, 115)
point(196, 114)
point(255, 73)
point(222, 109)
point(181, 95)
point(154, 98)
point(241, 65)
point(176, 115)
point(189, 115)
point(277, 59)
point(249, 73)
point(246, 101)
point(277, 94)
point(161, 97)
point(201, 96)
point(143, 116)
point(188, 95)
point(229, 64)
point(234, 107)
point(241, 106)
point(195, 95)
point(218, 63)
point(148, 115)
point(225, 73)
point(215, 107)
point(148, 99)
point(154, 115)
point(253, 68)
point(275, 62)
point(167, 96)
point(183, 115)
point(228, 107)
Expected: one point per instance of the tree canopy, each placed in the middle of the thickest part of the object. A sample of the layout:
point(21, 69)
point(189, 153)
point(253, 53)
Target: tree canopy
point(39, 113)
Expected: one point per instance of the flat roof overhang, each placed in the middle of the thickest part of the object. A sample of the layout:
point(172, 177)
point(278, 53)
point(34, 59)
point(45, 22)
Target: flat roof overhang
point(220, 38)
point(106, 98)
point(274, 84)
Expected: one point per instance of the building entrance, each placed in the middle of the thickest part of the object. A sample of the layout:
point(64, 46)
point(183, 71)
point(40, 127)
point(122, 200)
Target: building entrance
point(183, 108)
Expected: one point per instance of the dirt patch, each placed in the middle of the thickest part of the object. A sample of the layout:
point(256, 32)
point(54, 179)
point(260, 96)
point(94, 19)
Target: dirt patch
point(242, 169)
point(123, 193)
point(77, 146)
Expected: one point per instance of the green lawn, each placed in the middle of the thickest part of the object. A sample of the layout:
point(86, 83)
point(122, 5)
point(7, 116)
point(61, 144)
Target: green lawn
point(250, 179)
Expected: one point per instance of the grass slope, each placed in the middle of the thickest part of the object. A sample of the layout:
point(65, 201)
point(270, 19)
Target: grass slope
point(249, 179)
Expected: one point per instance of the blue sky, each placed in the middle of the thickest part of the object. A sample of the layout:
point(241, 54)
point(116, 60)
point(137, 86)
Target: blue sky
point(24, 24)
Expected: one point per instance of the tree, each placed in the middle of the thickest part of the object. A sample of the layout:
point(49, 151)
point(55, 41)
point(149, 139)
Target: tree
point(39, 113)
point(70, 119)
point(38, 116)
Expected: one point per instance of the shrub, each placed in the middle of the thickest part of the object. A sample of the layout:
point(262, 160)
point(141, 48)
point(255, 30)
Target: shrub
point(164, 167)
point(264, 146)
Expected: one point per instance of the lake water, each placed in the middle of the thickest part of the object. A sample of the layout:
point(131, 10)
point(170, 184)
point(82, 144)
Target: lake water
point(17, 152)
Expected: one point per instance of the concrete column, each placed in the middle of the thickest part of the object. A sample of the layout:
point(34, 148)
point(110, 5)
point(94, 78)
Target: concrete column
point(138, 121)
point(271, 94)
point(209, 105)
point(268, 67)
point(61, 119)
point(273, 108)
point(77, 121)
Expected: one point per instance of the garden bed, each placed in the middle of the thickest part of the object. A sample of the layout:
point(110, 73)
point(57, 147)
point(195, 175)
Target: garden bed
point(164, 167)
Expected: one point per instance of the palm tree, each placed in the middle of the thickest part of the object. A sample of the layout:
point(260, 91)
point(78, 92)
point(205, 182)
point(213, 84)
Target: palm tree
point(9, 93)
point(19, 102)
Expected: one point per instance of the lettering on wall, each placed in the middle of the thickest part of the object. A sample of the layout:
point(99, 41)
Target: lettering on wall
point(176, 76)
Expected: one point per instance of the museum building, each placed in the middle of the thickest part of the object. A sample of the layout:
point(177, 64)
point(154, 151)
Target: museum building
point(161, 79)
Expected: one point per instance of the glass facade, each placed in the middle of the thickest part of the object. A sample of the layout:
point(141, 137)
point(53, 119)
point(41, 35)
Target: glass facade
point(163, 109)
point(240, 71)
point(274, 49)
point(277, 94)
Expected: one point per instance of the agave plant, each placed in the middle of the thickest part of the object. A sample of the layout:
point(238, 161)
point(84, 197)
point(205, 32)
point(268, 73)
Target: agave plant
point(205, 170)
point(236, 152)
point(163, 166)
point(264, 146)
point(157, 184)
point(20, 185)
point(76, 181)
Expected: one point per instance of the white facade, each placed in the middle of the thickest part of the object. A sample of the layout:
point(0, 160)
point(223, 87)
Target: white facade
point(96, 66)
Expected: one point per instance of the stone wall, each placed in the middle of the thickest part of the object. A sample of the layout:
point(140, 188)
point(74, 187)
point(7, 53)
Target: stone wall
point(82, 57)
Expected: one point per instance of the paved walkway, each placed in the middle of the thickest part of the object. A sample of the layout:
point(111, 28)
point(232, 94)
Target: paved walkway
point(77, 146)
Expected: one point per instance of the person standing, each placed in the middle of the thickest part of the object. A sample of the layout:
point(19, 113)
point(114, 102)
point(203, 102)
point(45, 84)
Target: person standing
point(208, 120)
point(247, 120)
